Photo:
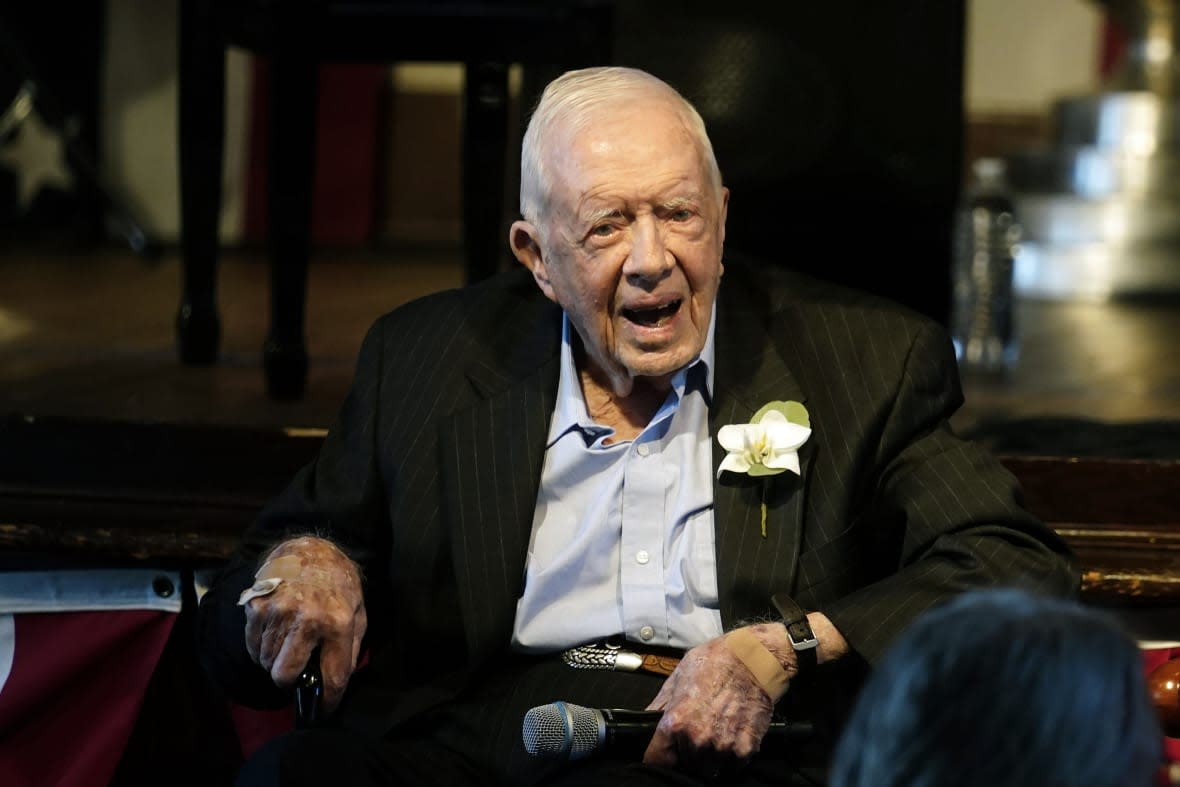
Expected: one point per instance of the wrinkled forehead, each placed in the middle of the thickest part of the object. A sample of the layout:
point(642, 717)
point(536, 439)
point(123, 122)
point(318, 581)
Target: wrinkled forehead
point(647, 107)
point(601, 135)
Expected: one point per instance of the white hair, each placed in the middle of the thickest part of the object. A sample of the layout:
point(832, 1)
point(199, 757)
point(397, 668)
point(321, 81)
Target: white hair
point(570, 102)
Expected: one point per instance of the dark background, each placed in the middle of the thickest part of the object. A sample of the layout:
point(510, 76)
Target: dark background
point(57, 45)
point(837, 126)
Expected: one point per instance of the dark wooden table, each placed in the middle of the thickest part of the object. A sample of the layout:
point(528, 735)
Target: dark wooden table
point(296, 37)
point(1112, 363)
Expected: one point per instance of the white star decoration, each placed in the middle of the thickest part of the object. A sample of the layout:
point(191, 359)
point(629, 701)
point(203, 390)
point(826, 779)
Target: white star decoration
point(38, 157)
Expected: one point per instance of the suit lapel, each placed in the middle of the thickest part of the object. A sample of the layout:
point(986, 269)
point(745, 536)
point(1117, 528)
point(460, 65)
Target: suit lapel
point(491, 455)
point(751, 372)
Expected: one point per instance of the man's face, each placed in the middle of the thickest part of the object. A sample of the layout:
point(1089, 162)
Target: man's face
point(631, 243)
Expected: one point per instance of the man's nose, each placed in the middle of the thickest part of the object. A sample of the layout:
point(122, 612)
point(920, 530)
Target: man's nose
point(649, 258)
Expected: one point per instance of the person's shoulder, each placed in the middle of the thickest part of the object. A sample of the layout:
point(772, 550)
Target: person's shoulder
point(475, 306)
point(786, 292)
point(503, 321)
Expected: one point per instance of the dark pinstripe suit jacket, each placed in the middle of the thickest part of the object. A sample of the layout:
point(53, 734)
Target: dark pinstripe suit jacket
point(430, 476)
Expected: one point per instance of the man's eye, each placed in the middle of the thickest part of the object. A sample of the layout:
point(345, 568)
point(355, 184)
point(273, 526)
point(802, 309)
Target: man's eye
point(683, 214)
point(603, 230)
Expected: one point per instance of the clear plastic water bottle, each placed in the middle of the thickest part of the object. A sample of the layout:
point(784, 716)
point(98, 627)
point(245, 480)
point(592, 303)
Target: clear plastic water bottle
point(987, 235)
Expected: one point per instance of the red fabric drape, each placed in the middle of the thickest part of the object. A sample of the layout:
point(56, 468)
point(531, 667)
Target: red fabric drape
point(346, 154)
point(75, 689)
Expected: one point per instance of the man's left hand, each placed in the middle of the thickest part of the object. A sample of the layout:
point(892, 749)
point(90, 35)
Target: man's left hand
point(715, 712)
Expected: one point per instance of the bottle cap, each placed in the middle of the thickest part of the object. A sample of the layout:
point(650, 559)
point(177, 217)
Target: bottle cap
point(989, 170)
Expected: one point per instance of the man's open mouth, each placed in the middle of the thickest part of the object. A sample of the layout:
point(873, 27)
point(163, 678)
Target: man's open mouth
point(654, 316)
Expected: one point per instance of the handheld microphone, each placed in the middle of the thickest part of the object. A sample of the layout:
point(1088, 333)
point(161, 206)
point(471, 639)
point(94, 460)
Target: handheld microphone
point(564, 731)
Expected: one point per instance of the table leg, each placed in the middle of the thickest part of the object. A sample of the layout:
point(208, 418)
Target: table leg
point(290, 176)
point(201, 132)
point(485, 137)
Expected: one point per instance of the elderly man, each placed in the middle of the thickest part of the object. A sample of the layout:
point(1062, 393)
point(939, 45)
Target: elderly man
point(621, 450)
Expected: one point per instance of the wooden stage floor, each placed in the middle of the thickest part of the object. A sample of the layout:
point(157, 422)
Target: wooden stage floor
point(90, 333)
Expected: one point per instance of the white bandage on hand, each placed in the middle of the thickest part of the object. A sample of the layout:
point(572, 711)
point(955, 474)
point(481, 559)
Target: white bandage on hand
point(268, 578)
point(262, 587)
point(291, 568)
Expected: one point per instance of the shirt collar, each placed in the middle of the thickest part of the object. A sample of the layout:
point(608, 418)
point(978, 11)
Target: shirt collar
point(570, 412)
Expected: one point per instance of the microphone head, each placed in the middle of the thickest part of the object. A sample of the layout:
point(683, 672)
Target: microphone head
point(561, 730)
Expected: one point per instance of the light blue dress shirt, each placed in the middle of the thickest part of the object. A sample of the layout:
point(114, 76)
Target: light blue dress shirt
point(622, 539)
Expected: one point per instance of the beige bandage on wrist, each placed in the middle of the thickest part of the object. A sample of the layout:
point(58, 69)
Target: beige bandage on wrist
point(760, 661)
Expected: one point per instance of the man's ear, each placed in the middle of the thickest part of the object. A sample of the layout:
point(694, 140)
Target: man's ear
point(724, 210)
point(723, 215)
point(526, 247)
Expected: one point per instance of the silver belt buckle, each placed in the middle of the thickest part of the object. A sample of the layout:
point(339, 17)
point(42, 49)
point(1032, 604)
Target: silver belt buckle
point(602, 656)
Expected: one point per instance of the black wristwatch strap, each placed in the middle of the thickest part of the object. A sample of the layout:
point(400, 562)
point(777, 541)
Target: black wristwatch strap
point(798, 630)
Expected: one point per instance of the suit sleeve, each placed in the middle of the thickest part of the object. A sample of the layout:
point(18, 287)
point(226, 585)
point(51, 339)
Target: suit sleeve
point(951, 512)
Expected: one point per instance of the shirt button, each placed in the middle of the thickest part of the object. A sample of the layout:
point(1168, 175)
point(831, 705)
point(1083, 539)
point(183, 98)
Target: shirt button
point(646, 633)
point(642, 449)
point(641, 557)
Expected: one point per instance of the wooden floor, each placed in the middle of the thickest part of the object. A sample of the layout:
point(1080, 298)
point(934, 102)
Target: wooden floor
point(90, 333)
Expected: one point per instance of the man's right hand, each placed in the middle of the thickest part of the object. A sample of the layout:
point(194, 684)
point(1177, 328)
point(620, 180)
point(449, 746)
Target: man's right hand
point(318, 602)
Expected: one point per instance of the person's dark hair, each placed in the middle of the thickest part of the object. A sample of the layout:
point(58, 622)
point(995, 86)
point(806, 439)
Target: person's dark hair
point(1000, 687)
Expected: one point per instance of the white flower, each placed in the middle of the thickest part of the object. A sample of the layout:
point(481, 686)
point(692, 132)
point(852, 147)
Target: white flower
point(767, 446)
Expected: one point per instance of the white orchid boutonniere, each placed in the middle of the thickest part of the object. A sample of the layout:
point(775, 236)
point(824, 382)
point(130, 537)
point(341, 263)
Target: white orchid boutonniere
point(766, 446)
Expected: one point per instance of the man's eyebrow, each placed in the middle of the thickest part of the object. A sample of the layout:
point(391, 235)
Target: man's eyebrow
point(680, 202)
point(597, 215)
point(672, 204)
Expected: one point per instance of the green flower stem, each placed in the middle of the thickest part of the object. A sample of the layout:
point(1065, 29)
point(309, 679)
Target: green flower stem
point(765, 490)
